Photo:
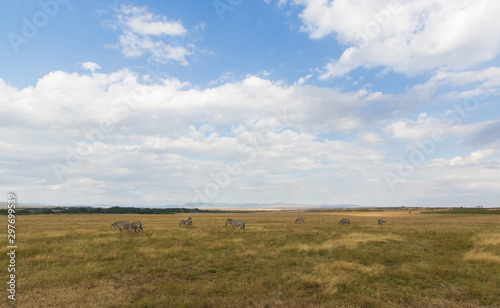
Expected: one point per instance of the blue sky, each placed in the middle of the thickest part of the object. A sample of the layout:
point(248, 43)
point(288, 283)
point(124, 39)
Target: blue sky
point(378, 102)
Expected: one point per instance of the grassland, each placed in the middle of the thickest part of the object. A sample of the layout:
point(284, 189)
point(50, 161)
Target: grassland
point(414, 260)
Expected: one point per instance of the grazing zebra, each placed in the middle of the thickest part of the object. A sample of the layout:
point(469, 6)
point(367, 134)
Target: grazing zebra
point(344, 221)
point(299, 220)
point(186, 223)
point(237, 223)
point(189, 222)
point(136, 226)
point(122, 225)
point(381, 221)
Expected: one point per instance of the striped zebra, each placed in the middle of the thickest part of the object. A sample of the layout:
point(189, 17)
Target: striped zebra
point(237, 223)
point(136, 226)
point(381, 221)
point(344, 221)
point(300, 219)
point(122, 225)
point(187, 223)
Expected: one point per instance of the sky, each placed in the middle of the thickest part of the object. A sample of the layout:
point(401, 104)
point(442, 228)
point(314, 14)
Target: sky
point(154, 103)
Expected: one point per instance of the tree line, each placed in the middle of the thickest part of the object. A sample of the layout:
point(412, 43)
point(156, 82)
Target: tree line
point(465, 211)
point(110, 210)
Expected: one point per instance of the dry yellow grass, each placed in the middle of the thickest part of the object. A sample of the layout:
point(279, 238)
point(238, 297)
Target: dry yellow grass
point(475, 255)
point(483, 242)
point(350, 241)
point(329, 276)
point(488, 239)
point(77, 261)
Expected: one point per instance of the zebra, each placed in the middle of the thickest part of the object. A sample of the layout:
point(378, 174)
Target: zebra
point(136, 226)
point(186, 223)
point(299, 220)
point(237, 223)
point(122, 225)
point(381, 221)
point(344, 221)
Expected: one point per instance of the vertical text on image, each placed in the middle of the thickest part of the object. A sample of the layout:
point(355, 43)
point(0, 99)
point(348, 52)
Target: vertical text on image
point(11, 230)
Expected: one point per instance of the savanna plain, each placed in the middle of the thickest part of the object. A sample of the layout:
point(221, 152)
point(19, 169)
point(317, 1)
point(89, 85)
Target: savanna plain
point(413, 260)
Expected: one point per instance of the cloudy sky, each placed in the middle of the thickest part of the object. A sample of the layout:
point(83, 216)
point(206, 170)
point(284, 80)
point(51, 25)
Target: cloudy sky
point(369, 102)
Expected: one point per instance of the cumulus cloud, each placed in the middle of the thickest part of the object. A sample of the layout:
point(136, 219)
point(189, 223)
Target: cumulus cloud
point(90, 66)
point(473, 135)
point(485, 82)
point(110, 132)
point(139, 20)
point(422, 128)
point(111, 137)
point(146, 33)
point(407, 37)
point(371, 137)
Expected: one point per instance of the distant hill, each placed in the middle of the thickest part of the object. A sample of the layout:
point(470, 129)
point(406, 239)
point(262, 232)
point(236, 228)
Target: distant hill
point(199, 205)
point(3, 205)
point(280, 206)
point(329, 206)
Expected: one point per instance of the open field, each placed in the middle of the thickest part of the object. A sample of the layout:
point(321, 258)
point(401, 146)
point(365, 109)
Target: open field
point(414, 260)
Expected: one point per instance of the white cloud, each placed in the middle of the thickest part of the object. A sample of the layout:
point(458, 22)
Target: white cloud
point(474, 159)
point(490, 75)
point(134, 46)
point(116, 136)
point(90, 66)
point(145, 33)
point(118, 139)
point(303, 80)
point(422, 128)
point(371, 137)
point(409, 37)
point(139, 20)
point(486, 82)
